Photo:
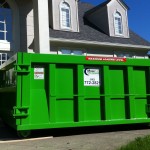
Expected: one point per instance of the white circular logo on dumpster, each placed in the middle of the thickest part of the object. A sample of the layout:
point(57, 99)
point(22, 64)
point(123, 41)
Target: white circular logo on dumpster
point(91, 77)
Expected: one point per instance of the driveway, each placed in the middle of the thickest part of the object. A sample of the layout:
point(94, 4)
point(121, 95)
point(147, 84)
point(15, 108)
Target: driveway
point(89, 138)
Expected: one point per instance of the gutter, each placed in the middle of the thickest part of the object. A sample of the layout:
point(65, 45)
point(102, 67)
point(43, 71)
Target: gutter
point(95, 43)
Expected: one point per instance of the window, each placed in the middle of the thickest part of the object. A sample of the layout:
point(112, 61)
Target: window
point(65, 18)
point(77, 52)
point(67, 52)
point(3, 58)
point(124, 54)
point(70, 52)
point(118, 24)
point(5, 21)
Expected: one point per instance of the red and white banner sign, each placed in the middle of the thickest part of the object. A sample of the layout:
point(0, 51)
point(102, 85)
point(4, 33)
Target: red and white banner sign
point(106, 58)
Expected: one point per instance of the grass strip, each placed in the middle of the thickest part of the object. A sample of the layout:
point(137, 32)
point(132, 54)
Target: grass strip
point(140, 143)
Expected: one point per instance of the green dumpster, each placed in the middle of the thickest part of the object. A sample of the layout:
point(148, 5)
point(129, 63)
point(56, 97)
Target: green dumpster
point(41, 91)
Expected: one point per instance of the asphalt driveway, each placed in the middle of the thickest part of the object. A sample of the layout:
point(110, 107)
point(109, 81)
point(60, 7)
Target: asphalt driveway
point(89, 138)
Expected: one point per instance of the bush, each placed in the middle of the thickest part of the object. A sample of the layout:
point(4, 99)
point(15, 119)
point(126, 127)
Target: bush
point(138, 144)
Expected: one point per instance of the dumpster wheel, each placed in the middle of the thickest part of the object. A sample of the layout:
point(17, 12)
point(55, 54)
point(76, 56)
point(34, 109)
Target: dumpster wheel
point(24, 133)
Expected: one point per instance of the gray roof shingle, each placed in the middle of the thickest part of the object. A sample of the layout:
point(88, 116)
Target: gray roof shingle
point(90, 33)
point(103, 5)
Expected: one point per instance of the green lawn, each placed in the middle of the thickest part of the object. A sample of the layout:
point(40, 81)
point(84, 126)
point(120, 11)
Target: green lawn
point(138, 144)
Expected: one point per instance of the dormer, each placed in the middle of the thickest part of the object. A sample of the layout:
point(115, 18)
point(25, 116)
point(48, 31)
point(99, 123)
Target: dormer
point(63, 15)
point(110, 17)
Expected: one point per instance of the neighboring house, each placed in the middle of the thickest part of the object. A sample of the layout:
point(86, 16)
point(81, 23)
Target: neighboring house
point(68, 27)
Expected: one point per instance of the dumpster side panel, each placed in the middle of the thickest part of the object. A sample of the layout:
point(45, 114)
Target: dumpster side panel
point(139, 75)
point(8, 96)
point(61, 98)
point(39, 98)
point(68, 91)
point(65, 90)
point(117, 92)
point(8, 101)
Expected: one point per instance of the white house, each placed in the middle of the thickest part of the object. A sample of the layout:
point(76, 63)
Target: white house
point(68, 27)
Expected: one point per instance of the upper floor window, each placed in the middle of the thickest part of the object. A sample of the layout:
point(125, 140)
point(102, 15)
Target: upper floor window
point(118, 23)
point(5, 21)
point(65, 18)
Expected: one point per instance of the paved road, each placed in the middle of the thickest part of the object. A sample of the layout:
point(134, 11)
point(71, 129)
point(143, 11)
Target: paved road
point(91, 138)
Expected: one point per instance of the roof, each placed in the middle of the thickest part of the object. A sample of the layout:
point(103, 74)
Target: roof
point(97, 7)
point(90, 33)
point(124, 4)
point(103, 5)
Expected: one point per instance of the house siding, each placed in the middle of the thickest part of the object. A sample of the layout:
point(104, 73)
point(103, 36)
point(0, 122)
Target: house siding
point(26, 25)
point(102, 51)
point(87, 32)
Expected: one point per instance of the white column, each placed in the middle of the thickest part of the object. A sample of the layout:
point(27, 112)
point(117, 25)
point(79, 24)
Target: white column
point(41, 26)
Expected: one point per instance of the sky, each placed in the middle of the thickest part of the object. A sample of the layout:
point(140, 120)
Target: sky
point(138, 15)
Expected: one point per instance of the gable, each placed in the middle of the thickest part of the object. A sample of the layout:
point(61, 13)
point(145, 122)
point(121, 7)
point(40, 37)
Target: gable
point(59, 16)
point(114, 7)
point(104, 17)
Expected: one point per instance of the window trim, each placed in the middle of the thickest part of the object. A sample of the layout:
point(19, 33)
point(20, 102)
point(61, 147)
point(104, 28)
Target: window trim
point(14, 43)
point(117, 27)
point(61, 19)
point(1, 58)
point(124, 54)
point(5, 23)
point(4, 31)
point(59, 52)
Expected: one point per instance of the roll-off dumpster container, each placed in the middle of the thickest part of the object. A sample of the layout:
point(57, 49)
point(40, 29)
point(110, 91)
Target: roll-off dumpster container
point(41, 91)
